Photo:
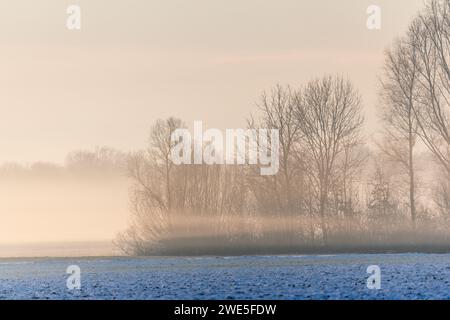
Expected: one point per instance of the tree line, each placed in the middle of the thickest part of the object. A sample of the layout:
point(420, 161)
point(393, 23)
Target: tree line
point(333, 188)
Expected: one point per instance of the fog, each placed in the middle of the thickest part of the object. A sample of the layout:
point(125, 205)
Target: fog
point(61, 208)
point(44, 204)
point(199, 235)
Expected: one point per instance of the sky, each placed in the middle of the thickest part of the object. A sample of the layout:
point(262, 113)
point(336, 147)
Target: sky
point(136, 61)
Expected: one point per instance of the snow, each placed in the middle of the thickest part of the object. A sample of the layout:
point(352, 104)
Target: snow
point(403, 276)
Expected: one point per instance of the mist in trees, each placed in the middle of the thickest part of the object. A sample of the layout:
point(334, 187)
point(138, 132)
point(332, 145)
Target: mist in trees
point(333, 191)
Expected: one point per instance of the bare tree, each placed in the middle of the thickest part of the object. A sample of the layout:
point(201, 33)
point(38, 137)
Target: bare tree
point(160, 146)
point(280, 195)
point(429, 39)
point(399, 96)
point(277, 112)
point(151, 192)
point(328, 112)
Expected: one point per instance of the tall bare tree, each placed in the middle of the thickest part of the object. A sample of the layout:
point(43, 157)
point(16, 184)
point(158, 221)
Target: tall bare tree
point(328, 112)
point(399, 96)
point(280, 196)
point(429, 39)
point(151, 193)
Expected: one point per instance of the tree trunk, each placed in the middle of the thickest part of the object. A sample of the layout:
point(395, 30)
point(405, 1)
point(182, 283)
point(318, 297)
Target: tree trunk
point(411, 179)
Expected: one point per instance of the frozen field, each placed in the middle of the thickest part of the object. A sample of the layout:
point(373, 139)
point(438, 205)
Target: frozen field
point(403, 276)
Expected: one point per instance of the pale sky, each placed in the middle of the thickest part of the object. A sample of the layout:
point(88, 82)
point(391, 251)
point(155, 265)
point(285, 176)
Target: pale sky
point(135, 61)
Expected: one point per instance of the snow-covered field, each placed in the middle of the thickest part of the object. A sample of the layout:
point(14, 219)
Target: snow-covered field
point(403, 276)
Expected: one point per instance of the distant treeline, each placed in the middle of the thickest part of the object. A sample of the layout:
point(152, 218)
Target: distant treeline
point(101, 160)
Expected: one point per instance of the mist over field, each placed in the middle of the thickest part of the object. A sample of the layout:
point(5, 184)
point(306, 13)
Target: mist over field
point(47, 206)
